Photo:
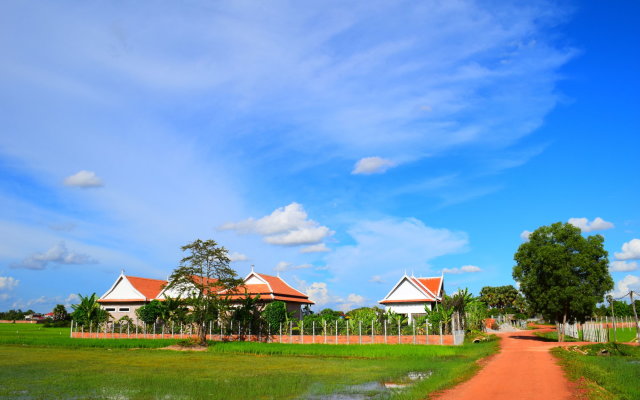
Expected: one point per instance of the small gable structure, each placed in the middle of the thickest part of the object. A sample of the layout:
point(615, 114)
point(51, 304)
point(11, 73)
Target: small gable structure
point(411, 295)
point(128, 293)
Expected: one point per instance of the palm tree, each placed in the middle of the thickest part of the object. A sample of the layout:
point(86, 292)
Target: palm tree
point(89, 311)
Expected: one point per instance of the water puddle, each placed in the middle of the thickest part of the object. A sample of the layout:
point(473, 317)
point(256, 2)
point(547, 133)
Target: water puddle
point(373, 390)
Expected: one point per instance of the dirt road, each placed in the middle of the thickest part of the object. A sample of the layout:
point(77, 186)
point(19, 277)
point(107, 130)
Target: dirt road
point(524, 369)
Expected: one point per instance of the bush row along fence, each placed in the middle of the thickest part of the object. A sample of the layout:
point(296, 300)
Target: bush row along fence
point(339, 332)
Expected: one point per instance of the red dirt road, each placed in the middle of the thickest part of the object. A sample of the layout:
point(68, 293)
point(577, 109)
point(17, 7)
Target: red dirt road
point(524, 369)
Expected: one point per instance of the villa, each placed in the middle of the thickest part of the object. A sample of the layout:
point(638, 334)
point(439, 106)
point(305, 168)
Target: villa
point(128, 293)
point(411, 295)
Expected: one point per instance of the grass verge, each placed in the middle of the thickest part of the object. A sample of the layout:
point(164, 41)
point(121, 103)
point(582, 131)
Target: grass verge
point(611, 376)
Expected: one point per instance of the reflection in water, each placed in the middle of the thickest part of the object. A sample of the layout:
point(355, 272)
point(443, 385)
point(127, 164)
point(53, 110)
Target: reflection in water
point(373, 390)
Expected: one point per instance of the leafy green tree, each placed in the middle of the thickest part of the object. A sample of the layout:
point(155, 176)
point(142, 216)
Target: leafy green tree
point(205, 280)
point(150, 312)
point(88, 311)
point(60, 313)
point(500, 298)
point(274, 314)
point(562, 274)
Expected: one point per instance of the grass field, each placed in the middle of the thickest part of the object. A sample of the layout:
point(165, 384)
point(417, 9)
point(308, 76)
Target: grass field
point(44, 363)
point(616, 376)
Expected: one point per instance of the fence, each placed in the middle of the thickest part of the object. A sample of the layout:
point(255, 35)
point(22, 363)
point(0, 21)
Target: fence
point(596, 330)
point(338, 332)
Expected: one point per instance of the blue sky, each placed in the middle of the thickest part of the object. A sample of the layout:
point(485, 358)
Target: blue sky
point(339, 144)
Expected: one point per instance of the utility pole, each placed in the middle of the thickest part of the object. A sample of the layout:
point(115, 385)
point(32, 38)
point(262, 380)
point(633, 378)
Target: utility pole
point(635, 314)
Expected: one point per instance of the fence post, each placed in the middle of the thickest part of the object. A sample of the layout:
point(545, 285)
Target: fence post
point(348, 341)
point(385, 331)
point(360, 331)
point(426, 330)
point(280, 332)
point(313, 331)
point(302, 332)
point(290, 331)
point(440, 325)
point(373, 340)
point(128, 333)
point(399, 339)
point(337, 330)
point(414, 332)
point(325, 330)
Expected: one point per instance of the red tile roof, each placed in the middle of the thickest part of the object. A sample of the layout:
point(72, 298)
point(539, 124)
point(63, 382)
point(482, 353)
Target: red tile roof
point(274, 289)
point(433, 284)
point(150, 288)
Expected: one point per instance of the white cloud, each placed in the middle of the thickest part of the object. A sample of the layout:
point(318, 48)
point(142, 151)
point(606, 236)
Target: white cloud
point(525, 235)
point(8, 282)
point(318, 293)
point(463, 269)
point(376, 279)
point(57, 254)
point(285, 266)
point(352, 301)
point(316, 248)
point(235, 256)
point(4, 296)
point(84, 179)
point(630, 250)
point(626, 284)
point(585, 225)
point(386, 247)
point(619, 266)
point(372, 165)
point(285, 226)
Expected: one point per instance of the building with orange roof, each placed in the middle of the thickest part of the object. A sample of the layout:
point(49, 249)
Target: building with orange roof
point(411, 295)
point(128, 293)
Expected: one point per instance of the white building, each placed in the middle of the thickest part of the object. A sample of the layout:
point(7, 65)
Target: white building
point(411, 295)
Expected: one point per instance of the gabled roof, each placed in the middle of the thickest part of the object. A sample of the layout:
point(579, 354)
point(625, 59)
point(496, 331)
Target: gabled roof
point(270, 288)
point(150, 288)
point(141, 289)
point(426, 289)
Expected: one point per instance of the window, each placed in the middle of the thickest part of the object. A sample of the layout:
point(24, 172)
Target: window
point(123, 309)
point(110, 308)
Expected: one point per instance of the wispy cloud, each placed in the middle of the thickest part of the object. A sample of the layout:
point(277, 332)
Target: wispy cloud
point(84, 179)
point(8, 282)
point(461, 270)
point(372, 165)
point(58, 254)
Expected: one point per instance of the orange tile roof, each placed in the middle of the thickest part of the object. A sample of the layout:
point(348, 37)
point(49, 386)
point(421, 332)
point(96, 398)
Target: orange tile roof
point(150, 288)
point(432, 284)
point(275, 289)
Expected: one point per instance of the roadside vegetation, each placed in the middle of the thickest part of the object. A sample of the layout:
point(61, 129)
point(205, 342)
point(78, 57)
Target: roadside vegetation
point(70, 368)
point(606, 371)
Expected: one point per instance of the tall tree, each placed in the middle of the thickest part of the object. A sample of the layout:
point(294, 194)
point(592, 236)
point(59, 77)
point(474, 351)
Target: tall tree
point(60, 313)
point(205, 280)
point(562, 274)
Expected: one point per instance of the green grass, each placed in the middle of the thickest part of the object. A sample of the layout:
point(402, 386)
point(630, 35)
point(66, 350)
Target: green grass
point(44, 363)
point(606, 377)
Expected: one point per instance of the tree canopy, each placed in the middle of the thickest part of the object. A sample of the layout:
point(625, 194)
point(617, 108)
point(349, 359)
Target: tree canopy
point(562, 274)
point(88, 311)
point(205, 279)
